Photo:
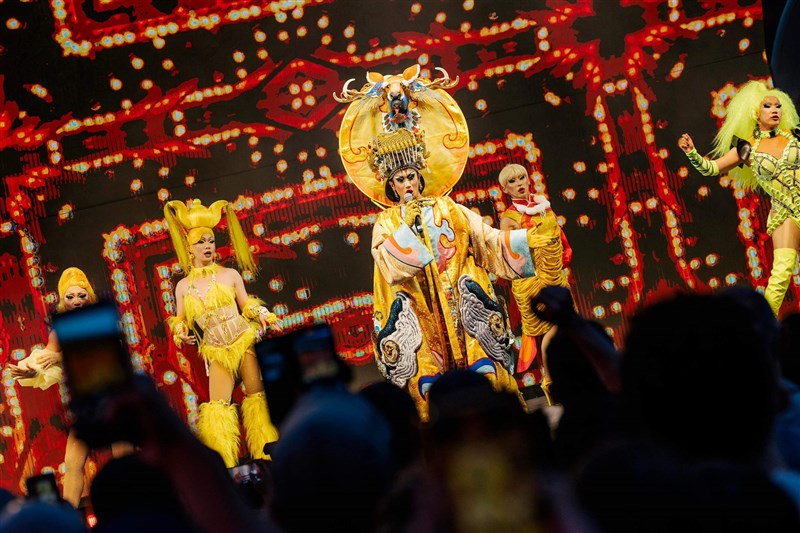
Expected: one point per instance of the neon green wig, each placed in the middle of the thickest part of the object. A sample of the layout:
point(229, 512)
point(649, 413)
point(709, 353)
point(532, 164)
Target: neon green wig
point(741, 118)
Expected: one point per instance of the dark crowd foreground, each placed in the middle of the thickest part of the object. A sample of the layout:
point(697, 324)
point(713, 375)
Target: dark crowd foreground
point(693, 426)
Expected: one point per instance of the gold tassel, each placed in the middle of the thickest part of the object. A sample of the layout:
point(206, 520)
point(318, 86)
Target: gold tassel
point(218, 428)
point(257, 424)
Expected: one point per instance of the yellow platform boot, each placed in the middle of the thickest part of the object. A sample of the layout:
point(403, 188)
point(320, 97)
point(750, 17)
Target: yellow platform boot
point(257, 424)
point(218, 428)
point(783, 261)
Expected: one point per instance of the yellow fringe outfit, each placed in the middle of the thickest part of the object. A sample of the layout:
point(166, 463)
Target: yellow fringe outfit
point(227, 337)
point(227, 334)
point(547, 262)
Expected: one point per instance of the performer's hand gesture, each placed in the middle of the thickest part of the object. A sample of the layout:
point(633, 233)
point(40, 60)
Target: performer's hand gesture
point(185, 336)
point(412, 211)
point(685, 143)
point(48, 359)
point(18, 372)
point(274, 327)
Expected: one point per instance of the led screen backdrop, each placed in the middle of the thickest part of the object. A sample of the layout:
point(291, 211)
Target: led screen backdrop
point(108, 108)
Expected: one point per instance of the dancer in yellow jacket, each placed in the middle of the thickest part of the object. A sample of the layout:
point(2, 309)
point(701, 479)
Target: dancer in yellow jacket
point(214, 311)
point(760, 135)
point(43, 369)
point(533, 212)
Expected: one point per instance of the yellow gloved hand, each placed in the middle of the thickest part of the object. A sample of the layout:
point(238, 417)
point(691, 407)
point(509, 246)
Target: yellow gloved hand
point(411, 212)
point(704, 166)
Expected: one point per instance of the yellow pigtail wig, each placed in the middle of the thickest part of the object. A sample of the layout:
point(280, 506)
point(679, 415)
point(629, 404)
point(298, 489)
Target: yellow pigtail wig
point(241, 248)
point(73, 277)
point(187, 224)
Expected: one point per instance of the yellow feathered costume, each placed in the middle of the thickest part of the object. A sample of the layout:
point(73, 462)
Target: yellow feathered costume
point(224, 334)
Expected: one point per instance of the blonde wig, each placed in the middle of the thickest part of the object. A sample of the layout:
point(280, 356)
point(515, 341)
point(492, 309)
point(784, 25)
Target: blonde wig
point(73, 277)
point(187, 223)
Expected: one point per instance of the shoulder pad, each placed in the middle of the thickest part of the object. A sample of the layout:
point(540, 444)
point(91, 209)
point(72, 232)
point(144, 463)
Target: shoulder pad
point(743, 148)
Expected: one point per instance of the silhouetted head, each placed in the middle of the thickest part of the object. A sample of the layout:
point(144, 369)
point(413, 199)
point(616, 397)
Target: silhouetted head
point(39, 517)
point(131, 495)
point(698, 377)
point(638, 488)
point(462, 400)
point(399, 410)
point(332, 464)
point(790, 348)
point(575, 381)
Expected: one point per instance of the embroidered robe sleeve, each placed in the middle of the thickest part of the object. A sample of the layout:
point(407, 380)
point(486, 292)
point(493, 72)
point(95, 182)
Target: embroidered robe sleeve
point(503, 253)
point(398, 255)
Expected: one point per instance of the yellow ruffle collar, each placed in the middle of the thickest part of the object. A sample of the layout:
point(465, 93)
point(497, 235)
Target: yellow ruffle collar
point(204, 272)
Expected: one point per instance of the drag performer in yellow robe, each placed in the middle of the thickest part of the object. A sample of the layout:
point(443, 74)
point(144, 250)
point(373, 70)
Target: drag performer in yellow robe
point(434, 305)
point(214, 311)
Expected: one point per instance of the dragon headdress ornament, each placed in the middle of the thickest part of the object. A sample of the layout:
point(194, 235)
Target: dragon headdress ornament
point(402, 121)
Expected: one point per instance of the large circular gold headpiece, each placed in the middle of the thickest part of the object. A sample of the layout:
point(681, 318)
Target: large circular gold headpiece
point(372, 141)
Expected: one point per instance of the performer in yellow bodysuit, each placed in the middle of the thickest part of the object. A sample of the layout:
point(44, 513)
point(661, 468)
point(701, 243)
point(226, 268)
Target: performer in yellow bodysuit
point(533, 212)
point(214, 311)
point(43, 368)
point(760, 134)
point(404, 143)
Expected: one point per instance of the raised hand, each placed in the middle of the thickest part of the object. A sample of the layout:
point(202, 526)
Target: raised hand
point(685, 143)
point(554, 304)
point(184, 335)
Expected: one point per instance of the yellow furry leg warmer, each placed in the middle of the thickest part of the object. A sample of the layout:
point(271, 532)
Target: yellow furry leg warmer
point(257, 424)
point(218, 428)
point(783, 261)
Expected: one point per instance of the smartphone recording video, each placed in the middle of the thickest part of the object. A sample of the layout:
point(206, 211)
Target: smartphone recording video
point(43, 488)
point(297, 362)
point(96, 366)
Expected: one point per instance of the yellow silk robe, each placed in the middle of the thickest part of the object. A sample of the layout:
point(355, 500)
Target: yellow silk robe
point(435, 307)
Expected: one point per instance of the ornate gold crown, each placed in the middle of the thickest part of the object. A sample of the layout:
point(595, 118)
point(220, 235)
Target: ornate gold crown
point(397, 150)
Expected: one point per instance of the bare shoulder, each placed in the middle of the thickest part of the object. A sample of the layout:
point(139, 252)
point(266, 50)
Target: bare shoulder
point(507, 223)
point(229, 274)
point(180, 288)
